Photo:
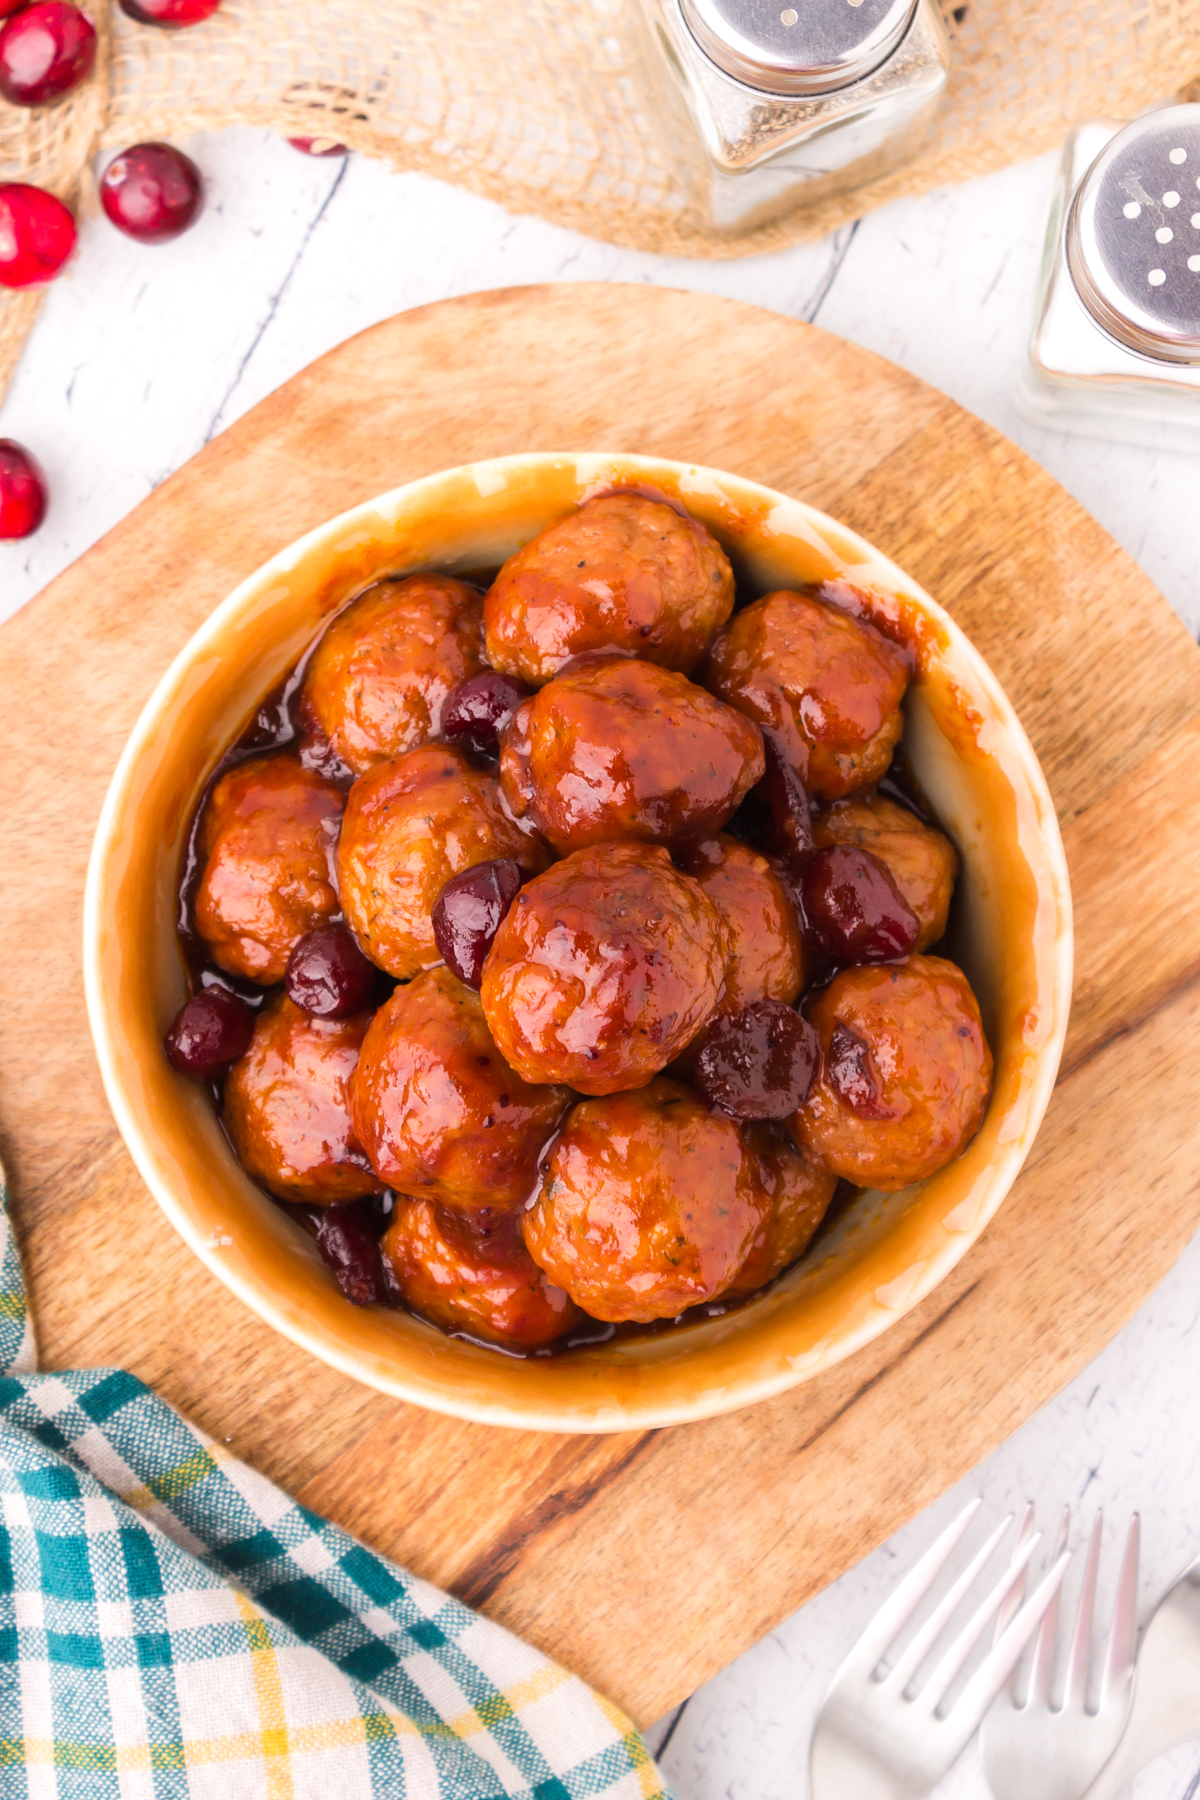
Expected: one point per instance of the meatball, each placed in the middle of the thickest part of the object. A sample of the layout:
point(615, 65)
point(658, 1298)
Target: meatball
point(829, 684)
point(604, 968)
point(616, 748)
point(411, 823)
point(379, 675)
point(799, 1194)
point(478, 1279)
point(437, 1109)
point(905, 1072)
point(649, 1204)
point(267, 839)
point(766, 949)
point(923, 862)
point(625, 573)
point(286, 1106)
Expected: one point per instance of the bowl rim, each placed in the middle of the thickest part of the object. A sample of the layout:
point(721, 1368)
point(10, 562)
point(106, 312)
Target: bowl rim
point(637, 1414)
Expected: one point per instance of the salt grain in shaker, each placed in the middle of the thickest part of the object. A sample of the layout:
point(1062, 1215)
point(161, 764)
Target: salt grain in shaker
point(1116, 344)
point(792, 103)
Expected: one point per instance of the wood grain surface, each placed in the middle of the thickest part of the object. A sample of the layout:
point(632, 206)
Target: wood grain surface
point(645, 1561)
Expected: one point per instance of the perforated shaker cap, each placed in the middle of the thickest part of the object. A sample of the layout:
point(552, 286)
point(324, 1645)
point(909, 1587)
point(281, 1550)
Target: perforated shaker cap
point(798, 47)
point(1133, 236)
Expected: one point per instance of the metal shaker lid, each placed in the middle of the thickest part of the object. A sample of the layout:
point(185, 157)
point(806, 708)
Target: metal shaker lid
point(798, 47)
point(1133, 236)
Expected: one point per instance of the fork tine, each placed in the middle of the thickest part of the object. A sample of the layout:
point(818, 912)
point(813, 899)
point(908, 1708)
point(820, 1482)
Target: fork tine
point(1041, 1672)
point(1016, 1593)
point(935, 1688)
point(907, 1665)
point(1081, 1641)
point(968, 1710)
point(1118, 1658)
point(896, 1611)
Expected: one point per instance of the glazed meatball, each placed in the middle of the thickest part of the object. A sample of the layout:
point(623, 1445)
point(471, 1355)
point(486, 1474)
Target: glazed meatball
point(799, 1194)
point(379, 675)
point(411, 823)
point(828, 684)
point(923, 862)
point(615, 748)
point(286, 1106)
point(475, 1278)
point(267, 839)
point(905, 1073)
point(604, 968)
point(437, 1109)
point(649, 1204)
point(766, 950)
point(625, 573)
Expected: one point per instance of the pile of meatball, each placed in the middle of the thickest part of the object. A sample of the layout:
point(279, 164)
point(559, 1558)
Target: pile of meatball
point(561, 954)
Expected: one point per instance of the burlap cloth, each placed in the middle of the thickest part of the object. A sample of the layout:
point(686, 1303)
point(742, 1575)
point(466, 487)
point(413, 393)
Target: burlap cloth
point(546, 106)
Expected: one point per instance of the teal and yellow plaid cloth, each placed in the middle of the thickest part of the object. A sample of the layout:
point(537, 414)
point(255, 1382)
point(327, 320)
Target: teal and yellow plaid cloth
point(174, 1627)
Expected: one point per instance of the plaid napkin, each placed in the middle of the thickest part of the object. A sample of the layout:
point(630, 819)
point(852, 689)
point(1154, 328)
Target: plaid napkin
point(174, 1627)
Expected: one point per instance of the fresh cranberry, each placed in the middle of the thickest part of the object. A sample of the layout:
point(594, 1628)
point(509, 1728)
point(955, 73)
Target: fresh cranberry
point(468, 913)
point(45, 51)
point(37, 234)
point(758, 1062)
point(22, 491)
point(851, 1073)
point(8, 7)
point(173, 14)
point(152, 192)
point(852, 903)
point(319, 146)
point(328, 975)
point(476, 711)
point(347, 1239)
point(211, 1032)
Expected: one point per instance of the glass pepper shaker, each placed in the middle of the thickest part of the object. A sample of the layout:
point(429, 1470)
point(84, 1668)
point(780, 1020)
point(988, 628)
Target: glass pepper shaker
point(1115, 350)
point(794, 102)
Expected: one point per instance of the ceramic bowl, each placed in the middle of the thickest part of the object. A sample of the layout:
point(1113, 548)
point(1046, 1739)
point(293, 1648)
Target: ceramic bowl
point(1012, 934)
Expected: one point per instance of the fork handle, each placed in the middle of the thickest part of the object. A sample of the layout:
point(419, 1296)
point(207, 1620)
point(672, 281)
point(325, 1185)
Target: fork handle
point(843, 1770)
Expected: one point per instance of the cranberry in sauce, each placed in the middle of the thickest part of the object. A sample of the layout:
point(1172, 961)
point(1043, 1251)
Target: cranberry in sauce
point(469, 912)
point(45, 50)
point(758, 1062)
point(328, 975)
point(852, 903)
point(787, 803)
point(852, 1074)
point(152, 192)
point(476, 711)
point(211, 1032)
point(347, 1239)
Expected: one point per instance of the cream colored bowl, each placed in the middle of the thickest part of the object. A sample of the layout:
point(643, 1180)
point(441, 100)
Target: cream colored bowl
point(1013, 937)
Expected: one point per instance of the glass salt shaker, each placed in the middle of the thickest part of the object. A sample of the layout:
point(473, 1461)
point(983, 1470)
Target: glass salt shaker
point(795, 102)
point(1115, 351)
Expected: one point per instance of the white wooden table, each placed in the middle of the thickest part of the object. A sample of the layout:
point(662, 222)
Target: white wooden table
point(142, 355)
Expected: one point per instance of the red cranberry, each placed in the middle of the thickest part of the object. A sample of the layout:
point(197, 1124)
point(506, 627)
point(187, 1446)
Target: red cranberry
point(468, 913)
point(319, 146)
point(476, 711)
point(853, 905)
point(37, 234)
point(22, 491)
point(787, 802)
point(8, 7)
point(852, 1073)
point(152, 192)
point(347, 1239)
point(758, 1062)
point(328, 975)
point(173, 14)
point(211, 1032)
point(45, 51)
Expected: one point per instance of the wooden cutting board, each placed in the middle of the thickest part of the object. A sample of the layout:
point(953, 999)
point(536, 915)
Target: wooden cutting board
point(645, 1561)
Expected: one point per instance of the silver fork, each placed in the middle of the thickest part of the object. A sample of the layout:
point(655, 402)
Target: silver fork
point(1033, 1751)
point(872, 1741)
